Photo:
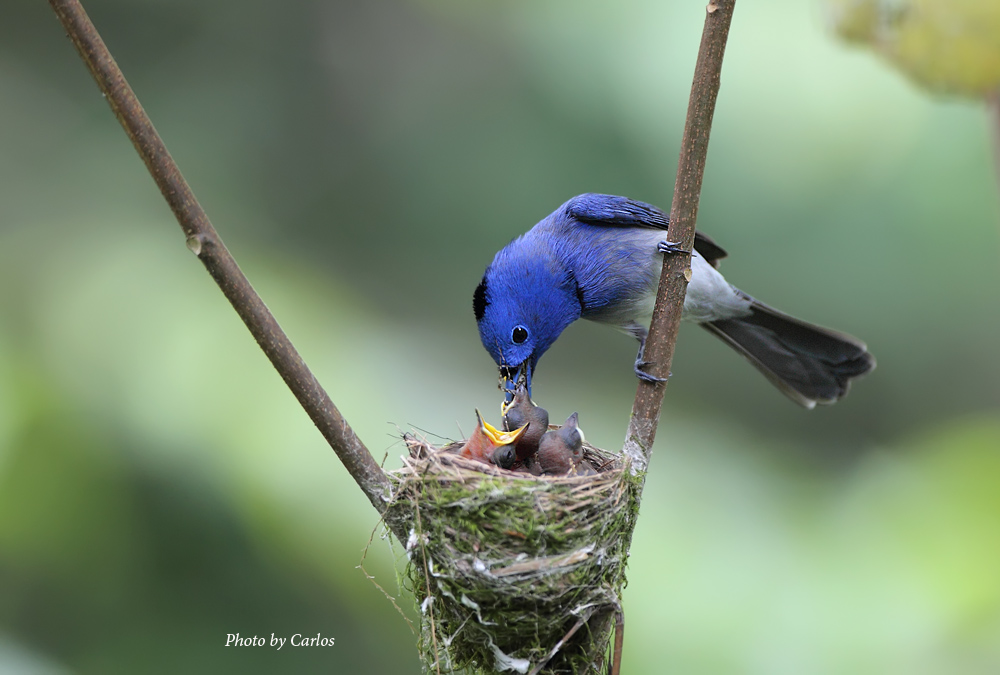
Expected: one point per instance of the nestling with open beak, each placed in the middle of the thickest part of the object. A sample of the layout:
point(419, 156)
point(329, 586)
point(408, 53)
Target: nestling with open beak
point(561, 451)
point(489, 445)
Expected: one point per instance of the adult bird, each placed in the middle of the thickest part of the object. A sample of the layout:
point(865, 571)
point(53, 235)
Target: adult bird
point(599, 257)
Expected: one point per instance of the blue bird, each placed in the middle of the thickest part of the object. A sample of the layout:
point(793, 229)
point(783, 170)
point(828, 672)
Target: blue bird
point(598, 257)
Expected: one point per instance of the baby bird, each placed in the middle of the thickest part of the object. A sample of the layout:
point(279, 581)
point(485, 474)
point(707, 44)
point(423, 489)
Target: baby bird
point(489, 445)
point(504, 457)
point(561, 451)
point(522, 412)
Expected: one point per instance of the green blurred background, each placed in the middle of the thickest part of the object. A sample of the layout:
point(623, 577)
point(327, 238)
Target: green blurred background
point(159, 487)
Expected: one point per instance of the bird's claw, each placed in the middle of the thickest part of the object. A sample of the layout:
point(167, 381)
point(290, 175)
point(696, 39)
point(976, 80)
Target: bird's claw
point(670, 247)
point(644, 376)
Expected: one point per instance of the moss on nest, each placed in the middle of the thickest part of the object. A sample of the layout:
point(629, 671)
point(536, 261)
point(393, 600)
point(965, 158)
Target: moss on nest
point(504, 566)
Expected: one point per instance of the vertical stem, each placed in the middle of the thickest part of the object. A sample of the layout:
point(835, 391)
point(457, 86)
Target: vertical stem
point(683, 215)
point(993, 115)
point(205, 242)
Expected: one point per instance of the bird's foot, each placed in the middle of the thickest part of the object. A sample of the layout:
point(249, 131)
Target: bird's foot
point(643, 375)
point(670, 247)
point(640, 361)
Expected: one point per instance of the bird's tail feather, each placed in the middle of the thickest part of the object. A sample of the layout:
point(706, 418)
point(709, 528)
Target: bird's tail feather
point(808, 363)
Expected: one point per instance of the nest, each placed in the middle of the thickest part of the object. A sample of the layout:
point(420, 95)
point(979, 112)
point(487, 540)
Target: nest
point(513, 572)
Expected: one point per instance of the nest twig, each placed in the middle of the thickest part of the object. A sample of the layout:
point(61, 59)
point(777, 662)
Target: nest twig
point(513, 572)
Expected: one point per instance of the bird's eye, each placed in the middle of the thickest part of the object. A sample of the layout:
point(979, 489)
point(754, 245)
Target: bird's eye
point(519, 334)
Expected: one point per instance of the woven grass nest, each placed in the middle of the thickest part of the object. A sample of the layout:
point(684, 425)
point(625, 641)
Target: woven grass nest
point(513, 572)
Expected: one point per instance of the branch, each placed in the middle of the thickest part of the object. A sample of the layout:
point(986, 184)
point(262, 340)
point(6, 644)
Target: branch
point(205, 243)
point(993, 117)
point(683, 214)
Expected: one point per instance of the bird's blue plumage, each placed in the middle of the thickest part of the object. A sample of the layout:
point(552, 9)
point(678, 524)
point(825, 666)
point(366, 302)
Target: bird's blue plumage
point(528, 296)
point(608, 210)
point(595, 257)
point(598, 257)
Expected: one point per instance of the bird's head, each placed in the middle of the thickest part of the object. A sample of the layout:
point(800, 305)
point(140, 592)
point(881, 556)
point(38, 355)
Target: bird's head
point(522, 304)
point(572, 435)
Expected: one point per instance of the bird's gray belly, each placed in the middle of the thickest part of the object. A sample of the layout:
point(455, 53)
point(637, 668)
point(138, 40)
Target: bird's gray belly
point(710, 297)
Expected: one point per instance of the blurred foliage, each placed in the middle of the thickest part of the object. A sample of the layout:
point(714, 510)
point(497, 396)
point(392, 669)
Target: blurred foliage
point(950, 46)
point(159, 488)
point(889, 569)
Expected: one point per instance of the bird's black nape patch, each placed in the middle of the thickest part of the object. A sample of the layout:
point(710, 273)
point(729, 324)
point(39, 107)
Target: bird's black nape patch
point(577, 290)
point(479, 300)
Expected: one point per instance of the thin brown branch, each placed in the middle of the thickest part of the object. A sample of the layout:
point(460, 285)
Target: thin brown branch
point(683, 215)
point(993, 116)
point(559, 645)
point(616, 654)
point(205, 242)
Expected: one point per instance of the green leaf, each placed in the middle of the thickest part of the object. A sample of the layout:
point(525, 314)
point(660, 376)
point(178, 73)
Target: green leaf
point(947, 46)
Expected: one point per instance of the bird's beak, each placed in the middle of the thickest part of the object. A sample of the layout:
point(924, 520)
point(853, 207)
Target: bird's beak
point(498, 437)
point(573, 421)
point(509, 378)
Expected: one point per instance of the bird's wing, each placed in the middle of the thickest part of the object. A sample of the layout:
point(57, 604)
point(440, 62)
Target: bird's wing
point(708, 249)
point(612, 211)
